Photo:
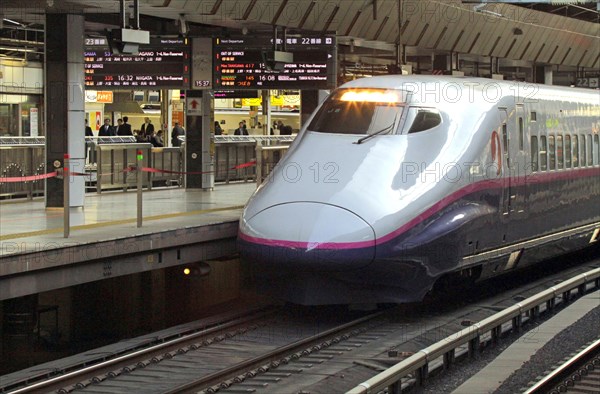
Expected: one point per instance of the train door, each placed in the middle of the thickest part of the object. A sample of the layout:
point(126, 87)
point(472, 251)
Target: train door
point(520, 164)
point(507, 195)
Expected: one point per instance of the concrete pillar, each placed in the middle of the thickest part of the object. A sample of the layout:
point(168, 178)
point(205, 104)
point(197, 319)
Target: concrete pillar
point(64, 96)
point(548, 75)
point(538, 74)
point(198, 157)
point(455, 61)
point(266, 110)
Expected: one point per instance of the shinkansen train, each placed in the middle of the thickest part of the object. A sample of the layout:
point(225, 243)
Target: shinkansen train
point(399, 181)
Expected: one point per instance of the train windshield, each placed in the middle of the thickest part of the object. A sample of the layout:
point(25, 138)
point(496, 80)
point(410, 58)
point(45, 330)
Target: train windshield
point(359, 111)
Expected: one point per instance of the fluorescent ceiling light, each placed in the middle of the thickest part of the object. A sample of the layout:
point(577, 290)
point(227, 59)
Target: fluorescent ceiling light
point(11, 21)
point(15, 49)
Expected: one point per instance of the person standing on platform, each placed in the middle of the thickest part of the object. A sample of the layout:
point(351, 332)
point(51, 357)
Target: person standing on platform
point(125, 128)
point(283, 129)
point(88, 143)
point(119, 127)
point(106, 130)
point(88, 130)
point(218, 129)
point(148, 127)
point(240, 130)
point(177, 131)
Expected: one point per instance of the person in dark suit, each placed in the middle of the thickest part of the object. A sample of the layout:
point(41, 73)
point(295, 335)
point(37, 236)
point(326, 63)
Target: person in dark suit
point(177, 131)
point(89, 145)
point(283, 129)
point(148, 127)
point(118, 129)
point(88, 130)
point(241, 130)
point(106, 130)
point(125, 128)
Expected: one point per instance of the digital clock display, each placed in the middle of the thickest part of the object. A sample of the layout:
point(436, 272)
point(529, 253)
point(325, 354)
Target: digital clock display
point(164, 64)
point(242, 63)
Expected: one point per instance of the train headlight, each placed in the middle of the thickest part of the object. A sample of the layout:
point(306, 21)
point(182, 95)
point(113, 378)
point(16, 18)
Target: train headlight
point(371, 96)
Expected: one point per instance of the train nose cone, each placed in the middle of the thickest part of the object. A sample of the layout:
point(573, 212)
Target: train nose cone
point(312, 236)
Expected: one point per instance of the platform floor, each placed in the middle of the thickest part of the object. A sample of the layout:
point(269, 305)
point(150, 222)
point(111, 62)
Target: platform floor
point(114, 214)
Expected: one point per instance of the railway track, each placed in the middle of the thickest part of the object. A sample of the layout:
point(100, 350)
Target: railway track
point(292, 349)
point(115, 363)
point(579, 374)
point(245, 345)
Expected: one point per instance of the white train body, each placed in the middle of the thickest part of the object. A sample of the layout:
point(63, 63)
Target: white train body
point(396, 181)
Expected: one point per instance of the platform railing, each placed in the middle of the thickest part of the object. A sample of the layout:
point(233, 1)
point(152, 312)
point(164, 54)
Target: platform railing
point(267, 158)
point(418, 364)
point(19, 157)
point(232, 151)
point(107, 160)
point(113, 160)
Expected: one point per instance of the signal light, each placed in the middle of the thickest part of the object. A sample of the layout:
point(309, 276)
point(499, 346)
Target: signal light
point(196, 269)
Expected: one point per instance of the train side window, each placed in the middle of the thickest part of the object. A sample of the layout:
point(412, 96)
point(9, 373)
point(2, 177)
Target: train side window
point(597, 150)
point(424, 119)
point(521, 134)
point(575, 151)
point(551, 153)
point(583, 151)
point(590, 149)
point(543, 153)
point(567, 151)
point(534, 154)
point(559, 152)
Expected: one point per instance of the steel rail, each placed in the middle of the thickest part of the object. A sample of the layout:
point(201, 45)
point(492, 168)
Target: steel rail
point(549, 381)
point(136, 354)
point(237, 369)
point(419, 362)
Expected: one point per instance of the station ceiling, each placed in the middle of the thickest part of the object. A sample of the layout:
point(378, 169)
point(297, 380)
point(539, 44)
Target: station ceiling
point(368, 30)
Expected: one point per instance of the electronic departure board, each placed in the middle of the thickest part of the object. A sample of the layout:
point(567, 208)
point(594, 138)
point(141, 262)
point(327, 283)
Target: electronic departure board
point(241, 63)
point(225, 94)
point(164, 64)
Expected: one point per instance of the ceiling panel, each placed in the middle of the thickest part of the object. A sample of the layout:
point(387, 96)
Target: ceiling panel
point(390, 31)
point(473, 28)
point(325, 15)
point(537, 27)
point(345, 18)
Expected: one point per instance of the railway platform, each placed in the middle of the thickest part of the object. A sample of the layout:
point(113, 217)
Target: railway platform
point(33, 247)
point(111, 279)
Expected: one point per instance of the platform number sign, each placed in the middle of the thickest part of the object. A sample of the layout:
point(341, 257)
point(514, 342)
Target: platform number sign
point(583, 82)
